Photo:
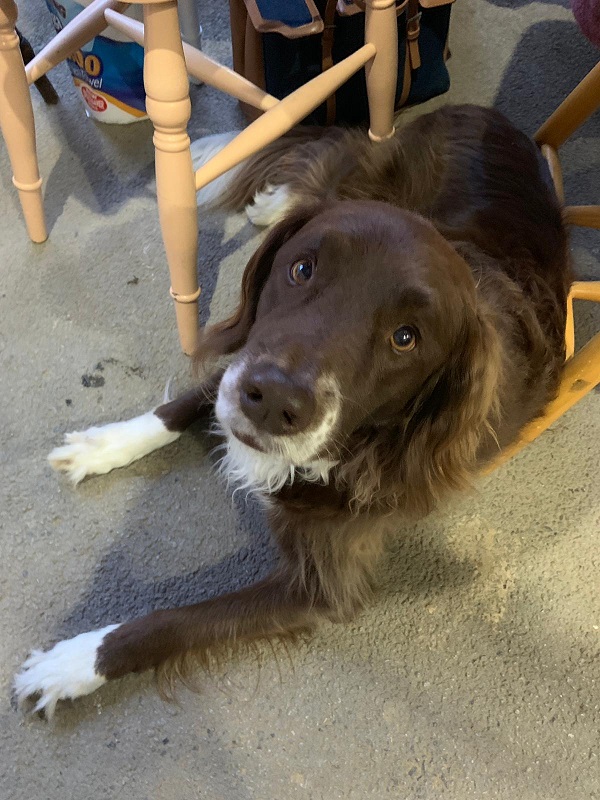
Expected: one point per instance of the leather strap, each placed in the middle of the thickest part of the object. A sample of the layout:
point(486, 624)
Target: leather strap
point(412, 56)
point(247, 51)
point(406, 80)
point(327, 53)
point(413, 29)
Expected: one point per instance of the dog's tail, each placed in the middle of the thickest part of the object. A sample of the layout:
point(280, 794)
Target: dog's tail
point(284, 167)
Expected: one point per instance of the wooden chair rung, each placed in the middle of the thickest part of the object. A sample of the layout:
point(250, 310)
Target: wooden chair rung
point(581, 374)
point(279, 120)
point(200, 66)
point(586, 290)
point(575, 109)
point(584, 216)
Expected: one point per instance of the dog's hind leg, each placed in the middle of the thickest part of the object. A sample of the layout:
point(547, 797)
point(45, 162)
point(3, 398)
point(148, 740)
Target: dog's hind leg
point(101, 449)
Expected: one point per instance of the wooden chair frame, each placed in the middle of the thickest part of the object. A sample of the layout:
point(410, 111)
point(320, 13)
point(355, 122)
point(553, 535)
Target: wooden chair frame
point(581, 373)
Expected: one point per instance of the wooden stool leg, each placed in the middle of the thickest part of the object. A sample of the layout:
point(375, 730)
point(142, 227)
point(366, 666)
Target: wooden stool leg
point(580, 375)
point(583, 101)
point(585, 216)
point(168, 106)
point(382, 73)
point(570, 329)
point(18, 126)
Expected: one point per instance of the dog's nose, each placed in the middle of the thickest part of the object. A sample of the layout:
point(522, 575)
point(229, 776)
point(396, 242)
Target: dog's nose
point(276, 402)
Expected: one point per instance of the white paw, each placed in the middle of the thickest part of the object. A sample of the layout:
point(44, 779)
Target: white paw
point(202, 151)
point(68, 670)
point(100, 449)
point(269, 205)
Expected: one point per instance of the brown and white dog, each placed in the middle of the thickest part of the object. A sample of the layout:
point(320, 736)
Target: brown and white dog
point(400, 323)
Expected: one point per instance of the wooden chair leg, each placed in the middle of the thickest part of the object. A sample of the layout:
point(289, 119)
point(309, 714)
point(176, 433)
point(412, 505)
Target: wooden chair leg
point(585, 216)
point(168, 106)
point(18, 126)
point(580, 290)
point(583, 101)
point(282, 117)
point(551, 157)
point(586, 290)
point(382, 73)
point(580, 375)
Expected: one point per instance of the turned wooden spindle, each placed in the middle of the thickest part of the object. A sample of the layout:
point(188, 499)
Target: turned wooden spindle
point(18, 126)
point(168, 106)
point(382, 72)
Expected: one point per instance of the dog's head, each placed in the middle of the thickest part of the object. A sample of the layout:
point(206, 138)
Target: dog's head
point(358, 323)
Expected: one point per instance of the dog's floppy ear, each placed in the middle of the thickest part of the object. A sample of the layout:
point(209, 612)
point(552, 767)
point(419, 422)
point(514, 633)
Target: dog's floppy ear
point(450, 416)
point(228, 336)
point(412, 463)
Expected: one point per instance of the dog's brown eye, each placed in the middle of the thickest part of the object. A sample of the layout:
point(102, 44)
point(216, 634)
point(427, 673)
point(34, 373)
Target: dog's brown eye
point(404, 339)
point(301, 271)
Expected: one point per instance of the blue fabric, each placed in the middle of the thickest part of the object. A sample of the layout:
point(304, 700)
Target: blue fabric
point(293, 13)
point(432, 77)
point(290, 63)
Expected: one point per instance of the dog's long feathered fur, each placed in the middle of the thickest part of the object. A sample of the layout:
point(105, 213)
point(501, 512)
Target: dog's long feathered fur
point(470, 176)
point(485, 188)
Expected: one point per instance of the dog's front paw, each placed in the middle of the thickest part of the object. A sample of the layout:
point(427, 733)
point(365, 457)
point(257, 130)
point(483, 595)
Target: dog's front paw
point(83, 453)
point(101, 449)
point(66, 671)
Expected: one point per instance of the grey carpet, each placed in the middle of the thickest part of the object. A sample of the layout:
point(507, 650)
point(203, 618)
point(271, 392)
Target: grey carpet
point(475, 674)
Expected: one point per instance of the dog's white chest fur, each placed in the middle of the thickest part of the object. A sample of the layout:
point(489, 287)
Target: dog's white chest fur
point(252, 471)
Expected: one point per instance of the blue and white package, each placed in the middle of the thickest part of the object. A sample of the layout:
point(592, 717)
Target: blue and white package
point(108, 71)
